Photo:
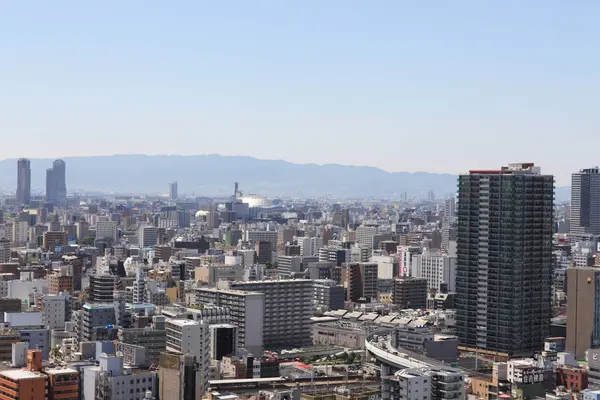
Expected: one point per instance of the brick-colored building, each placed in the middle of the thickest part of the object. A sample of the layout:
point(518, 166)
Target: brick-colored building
point(60, 282)
point(63, 384)
point(52, 240)
point(572, 378)
point(24, 384)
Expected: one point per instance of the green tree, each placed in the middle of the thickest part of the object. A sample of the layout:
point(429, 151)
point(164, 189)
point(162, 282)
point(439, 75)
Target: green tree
point(88, 240)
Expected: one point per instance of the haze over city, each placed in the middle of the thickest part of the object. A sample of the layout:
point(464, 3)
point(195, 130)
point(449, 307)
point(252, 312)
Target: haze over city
point(397, 85)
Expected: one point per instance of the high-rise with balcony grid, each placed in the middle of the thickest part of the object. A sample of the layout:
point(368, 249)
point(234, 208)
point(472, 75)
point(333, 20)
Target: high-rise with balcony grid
point(504, 259)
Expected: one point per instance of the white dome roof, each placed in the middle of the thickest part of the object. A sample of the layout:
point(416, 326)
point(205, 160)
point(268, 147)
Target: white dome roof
point(256, 201)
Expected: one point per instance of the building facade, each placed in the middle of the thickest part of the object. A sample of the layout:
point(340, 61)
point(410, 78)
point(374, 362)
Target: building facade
point(504, 259)
point(23, 181)
point(246, 311)
point(585, 202)
point(287, 310)
point(583, 310)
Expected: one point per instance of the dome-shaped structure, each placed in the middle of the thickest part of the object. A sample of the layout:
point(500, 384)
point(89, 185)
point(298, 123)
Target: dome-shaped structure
point(255, 201)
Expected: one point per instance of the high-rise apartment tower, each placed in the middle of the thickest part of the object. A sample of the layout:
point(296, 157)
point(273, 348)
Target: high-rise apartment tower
point(23, 181)
point(585, 202)
point(504, 259)
point(56, 183)
point(173, 194)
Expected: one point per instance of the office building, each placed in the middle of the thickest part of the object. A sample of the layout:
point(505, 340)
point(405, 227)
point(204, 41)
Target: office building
point(102, 288)
point(593, 359)
point(111, 380)
point(446, 383)
point(23, 182)
point(262, 236)
point(107, 230)
point(328, 294)
point(95, 316)
point(8, 336)
point(583, 310)
point(192, 338)
point(9, 305)
point(264, 252)
point(438, 269)
point(179, 377)
point(323, 270)
point(223, 341)
point(4, 250)
point(336, 255)
point(289, 266)
point(309, 246)
point(152, 338)
point(173, 193)
point(82, 229)
point(147, 236)
point(20, 230)
point(54, 310)
point(54, 240)
point(585, 202)
point(450, 208)
point(287, 311)
point(246, 311)
point(504, 259)
point(56, 186)
point(410, 292)
point(408, 384)
point(31, 330)
point(364, 235)
point(360, 280)
point(60, 282)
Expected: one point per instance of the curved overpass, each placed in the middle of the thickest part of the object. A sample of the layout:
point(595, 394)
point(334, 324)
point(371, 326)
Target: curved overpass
point(398, 358)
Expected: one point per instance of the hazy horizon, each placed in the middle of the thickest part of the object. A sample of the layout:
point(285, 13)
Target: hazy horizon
point(398, 86)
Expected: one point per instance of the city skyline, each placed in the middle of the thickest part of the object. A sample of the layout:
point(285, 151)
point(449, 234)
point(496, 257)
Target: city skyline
point(562, 180)
point(469, 86)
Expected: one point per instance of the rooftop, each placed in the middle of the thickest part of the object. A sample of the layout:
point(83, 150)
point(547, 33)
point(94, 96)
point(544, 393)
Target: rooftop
point(184, 322)
point(231, 291)
point(17, 374)
point(98, 305)
point(60, 371)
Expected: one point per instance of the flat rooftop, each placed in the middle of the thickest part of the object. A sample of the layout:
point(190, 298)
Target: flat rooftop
point(231, 291)
point(59, 371)
point(184, 322)
point(18, 374)
point(241, 381)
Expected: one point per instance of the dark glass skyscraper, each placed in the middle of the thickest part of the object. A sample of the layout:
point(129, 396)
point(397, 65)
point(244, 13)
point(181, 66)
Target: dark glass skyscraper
point(504, 259)
point(585, 202)
point(56, 185)
point(23, 181)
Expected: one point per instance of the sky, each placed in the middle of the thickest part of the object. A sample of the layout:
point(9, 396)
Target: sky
point(401, 85)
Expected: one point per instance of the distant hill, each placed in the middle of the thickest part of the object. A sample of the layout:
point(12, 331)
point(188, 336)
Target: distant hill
point(213, 175)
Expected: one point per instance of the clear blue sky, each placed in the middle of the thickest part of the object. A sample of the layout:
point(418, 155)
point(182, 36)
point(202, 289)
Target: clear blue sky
point(405, 86)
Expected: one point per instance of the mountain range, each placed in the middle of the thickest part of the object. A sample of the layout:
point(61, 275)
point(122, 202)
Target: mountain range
point(214, 175)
